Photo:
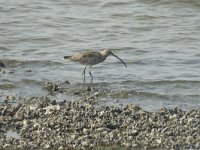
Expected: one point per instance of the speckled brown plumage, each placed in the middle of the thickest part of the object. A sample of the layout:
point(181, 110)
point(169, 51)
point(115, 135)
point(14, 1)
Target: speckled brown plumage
point(89, 58)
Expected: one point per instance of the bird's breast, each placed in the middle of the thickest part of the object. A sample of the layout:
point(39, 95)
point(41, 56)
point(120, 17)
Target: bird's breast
point(92, 60)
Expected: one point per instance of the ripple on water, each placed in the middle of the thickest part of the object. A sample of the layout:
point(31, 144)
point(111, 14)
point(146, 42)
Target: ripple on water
point(158, 39)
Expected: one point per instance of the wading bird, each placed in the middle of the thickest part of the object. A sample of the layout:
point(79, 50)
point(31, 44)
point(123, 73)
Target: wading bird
point(91, 58)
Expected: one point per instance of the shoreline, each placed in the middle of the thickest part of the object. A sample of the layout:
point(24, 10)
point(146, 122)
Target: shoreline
point(42, 123)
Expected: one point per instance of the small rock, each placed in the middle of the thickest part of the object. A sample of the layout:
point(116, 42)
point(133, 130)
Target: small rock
point(85, 144)
point(28, 70)
point(76, 93)
point(67, 82)
point(2, 64)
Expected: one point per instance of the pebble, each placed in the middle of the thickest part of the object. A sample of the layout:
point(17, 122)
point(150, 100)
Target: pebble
point(2, 64)
point(45, 124)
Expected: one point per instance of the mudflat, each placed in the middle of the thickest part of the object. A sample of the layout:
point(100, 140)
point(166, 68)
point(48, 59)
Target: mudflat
point(42, 123)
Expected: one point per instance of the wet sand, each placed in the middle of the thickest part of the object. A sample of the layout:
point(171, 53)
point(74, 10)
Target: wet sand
point(42, 123)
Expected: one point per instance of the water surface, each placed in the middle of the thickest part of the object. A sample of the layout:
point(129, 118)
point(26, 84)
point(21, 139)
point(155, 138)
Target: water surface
point(158, 39)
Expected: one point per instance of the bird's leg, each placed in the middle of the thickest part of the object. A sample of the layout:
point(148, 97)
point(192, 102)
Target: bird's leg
point(84, 71)
point(91, 81)
point(84, 74)
point(91, 76)
point(90, 73)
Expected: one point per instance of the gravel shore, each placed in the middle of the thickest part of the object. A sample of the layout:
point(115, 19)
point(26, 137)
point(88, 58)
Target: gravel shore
point(42, 123)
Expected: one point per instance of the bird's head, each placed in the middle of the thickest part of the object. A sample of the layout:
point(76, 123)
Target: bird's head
point(107, 52)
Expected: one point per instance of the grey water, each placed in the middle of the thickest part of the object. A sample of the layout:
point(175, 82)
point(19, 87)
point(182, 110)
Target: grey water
point(158, 39)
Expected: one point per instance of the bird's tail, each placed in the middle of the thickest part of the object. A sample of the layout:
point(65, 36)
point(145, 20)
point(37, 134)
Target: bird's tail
point(67, 57)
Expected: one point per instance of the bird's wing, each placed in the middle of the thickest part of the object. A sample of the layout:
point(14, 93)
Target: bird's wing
point(86, 56)
point(89, 54)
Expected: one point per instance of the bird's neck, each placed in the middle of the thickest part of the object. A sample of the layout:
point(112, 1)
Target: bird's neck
point(104, 54)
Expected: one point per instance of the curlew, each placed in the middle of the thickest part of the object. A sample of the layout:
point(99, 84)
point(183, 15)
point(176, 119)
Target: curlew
point(91, 58)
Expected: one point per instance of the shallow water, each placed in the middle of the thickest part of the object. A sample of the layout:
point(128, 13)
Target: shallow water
point(12, 134)
point(158, 39)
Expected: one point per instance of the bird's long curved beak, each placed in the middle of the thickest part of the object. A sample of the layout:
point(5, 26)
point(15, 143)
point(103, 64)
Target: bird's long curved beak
point(119, 59)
